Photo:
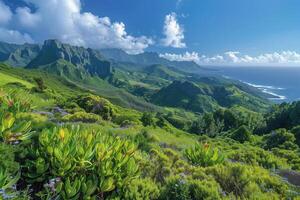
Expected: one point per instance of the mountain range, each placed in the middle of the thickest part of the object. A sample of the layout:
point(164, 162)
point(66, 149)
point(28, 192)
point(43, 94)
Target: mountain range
point(143, 81)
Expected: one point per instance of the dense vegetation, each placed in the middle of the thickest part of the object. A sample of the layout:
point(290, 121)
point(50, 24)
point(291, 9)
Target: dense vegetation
point(64, 137)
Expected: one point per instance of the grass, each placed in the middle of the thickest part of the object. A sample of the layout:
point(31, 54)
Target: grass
point(5, 79)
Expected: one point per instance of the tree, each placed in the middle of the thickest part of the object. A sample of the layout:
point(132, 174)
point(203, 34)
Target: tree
point(242, 134)
point(40, 84)
point(147, 119)
point(280, 138)
point(296, 132)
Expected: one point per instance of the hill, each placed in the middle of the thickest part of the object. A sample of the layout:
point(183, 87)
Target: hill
point(136, 81)
point(205, 98)
point(150, 58)
point(83, 59)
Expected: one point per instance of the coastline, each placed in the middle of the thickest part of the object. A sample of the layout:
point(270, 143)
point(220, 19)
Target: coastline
point(268, 90)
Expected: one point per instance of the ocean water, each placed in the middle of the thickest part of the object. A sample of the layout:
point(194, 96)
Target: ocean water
point(282, 82)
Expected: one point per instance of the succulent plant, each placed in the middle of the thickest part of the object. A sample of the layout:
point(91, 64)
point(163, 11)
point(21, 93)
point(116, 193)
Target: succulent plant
point(12, 131)
point(7, 180)
point(103, 162)
point(204, 155)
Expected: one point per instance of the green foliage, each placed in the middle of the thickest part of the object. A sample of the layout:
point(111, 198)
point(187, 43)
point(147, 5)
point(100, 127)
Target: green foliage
point(148, 119)
point(96, 105)
point(92, 162)
point(176, 188)
point(204, 190)
point(12, 131)
point(72, 151)
point(257, 157)
point(7, 180)
point(13, 102)
point(296, 132)
point(82, 117)
point(204, 155)
point(242, 134)
point(140, 189)
point(144, 140)
point(248, 182)
point(41, 87)
point(280, 138)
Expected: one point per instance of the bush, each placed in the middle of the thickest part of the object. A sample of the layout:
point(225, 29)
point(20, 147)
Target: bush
point(242, 134)
point(144, 140)
point(296, 132)
point(176, 188)
point(141, 189)
point(280, 138)
point(204, 190)
point(247, 182)
point(83, 163)
point(147, 119)
point(257, 157)
point(82, 117)
point(204, 155)
point(97, 105)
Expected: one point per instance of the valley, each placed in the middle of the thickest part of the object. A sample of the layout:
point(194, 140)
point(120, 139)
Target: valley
point(80, 123)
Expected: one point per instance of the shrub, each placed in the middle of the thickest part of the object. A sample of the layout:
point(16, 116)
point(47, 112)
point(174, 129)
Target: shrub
point(141, 189)
point(247, 182)
point(148, 119)
point(40, 84)
point(257, 157)
point(176, 188)
point(242, 134)
point(97, 105)
point(83, 163)
point(14, 103)
point(296, 132)
point(13, 131)
point(204, 155)
point(82, 117)
point(280, 138)
point(204, 190)
point(144, 140)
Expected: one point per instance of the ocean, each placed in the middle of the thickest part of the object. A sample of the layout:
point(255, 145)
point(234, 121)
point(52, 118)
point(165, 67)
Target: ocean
point(282, 82)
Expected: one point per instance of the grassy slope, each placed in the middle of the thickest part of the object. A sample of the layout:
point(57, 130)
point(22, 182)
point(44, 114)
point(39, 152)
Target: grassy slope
point(5, 79)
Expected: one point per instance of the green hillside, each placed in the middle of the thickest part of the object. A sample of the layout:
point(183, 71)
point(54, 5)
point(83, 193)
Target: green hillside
point(76, 125)
point(205, 98)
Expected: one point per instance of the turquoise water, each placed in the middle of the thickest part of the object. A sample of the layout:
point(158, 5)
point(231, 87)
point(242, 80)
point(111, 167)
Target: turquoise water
point(283, 82)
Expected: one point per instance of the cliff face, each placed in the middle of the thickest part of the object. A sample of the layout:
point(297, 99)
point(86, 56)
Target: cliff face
point(86, 59)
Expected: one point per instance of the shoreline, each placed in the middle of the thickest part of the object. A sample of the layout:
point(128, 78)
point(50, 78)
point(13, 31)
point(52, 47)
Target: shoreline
point(267, 90)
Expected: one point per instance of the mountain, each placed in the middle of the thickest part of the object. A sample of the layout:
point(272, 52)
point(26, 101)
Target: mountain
point(163, 72)
point(18, 55)
point(201, 97)
point(81, 58)
point(150, 58)
point(137, 81)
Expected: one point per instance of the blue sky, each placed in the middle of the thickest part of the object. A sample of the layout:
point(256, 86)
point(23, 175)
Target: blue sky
point(205, 31)
point(213, 26)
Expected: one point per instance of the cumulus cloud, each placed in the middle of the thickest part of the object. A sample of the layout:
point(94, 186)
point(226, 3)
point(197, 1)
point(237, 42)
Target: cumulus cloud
point(236, 58)
point(65, 21)
point(187, 56)
point(174, 32)
point(5, 13)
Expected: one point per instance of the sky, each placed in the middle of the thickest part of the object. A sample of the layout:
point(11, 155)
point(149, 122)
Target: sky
point(209, 32)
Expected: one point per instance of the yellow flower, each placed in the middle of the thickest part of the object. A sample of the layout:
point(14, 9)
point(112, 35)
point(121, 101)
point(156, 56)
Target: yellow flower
point(61, 134)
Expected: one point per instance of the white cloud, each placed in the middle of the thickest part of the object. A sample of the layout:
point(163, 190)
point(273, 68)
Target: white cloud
point(174, 32)
point(12, 36)
point(5, 13)
point(64, 20)
point(236, 58)
point(187, 56)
